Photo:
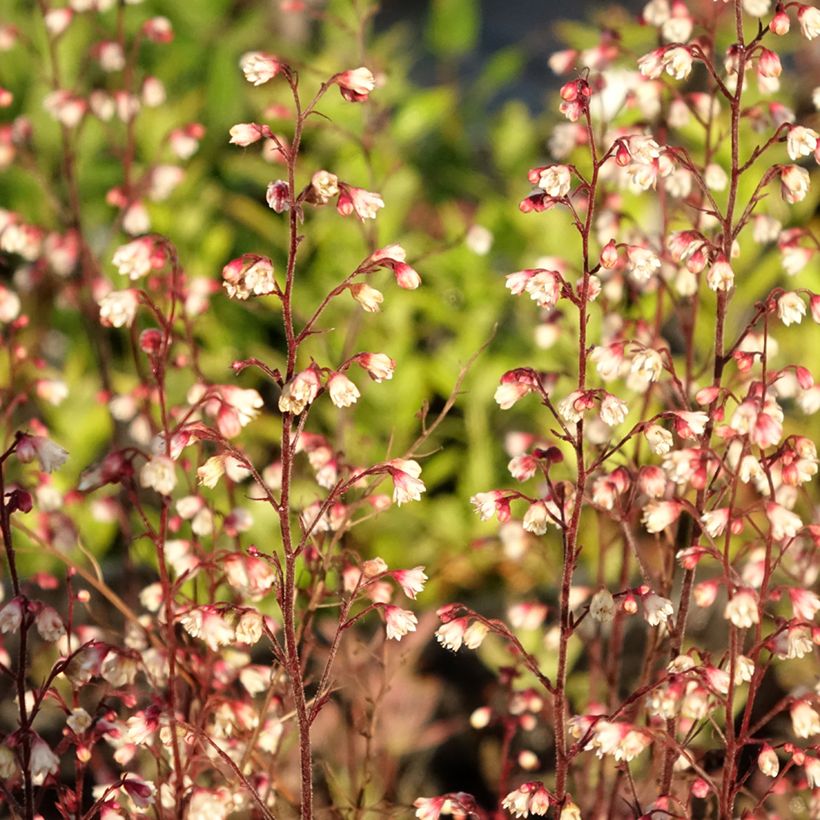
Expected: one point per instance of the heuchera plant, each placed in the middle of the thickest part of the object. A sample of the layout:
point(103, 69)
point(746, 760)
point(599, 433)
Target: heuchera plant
point(671, 669)
point(192, 711)
point(678, 460)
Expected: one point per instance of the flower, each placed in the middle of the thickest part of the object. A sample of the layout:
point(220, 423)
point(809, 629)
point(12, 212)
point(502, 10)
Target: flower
point(249, 275)
point(658, 515)
point(277, 195)
point(379, 366)
point(536, 518)
point(355, 85)
point(343, 393)
point(555, 180)
point(742, 610)
point(299, 392)
point(159, 473)
point(805, 721)
point(43, 761)
point(138, 257)
point(118, 308)
point(515, 384)
point(791, 309)
point(613, 410)
point(602, 606)
point(369, 298)
point(246, 133)
point(451, 634)
point(50, 455)
point(721, 277)
point(398, 622)
point(11, 616)
point(410, 580)
point(407, 486)
point(809, 19)
point(49, 624)
point(784, 524)
point(660, 440)
point(801, 142)
point(366, 204)
point(259, 67)
point(642, 263)
point(656, 609)
point(647, 363)
point(794, 181)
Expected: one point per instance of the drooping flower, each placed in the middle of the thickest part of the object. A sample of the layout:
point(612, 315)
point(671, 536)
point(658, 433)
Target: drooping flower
point(399, 622)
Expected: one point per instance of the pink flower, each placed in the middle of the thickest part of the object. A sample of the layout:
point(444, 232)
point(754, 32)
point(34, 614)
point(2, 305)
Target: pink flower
point(366, 204)
point(278, 196)
point(491, 503)
point(515, 384)
point(407, 486)
point(379, 366)
point(355, 85)
point(398, 622)
point(249, 275)
point(410, 580)
point(246, 133)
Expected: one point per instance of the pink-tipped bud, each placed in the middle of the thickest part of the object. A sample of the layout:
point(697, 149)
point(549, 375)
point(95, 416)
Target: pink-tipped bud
point(609, 255)
point(151, 341)
point(780, 24)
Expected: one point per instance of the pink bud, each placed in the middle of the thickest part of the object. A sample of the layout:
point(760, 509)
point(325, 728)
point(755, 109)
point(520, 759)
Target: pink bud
point(609, 255)
point(804, 378)
point(780, 23)
point(150, 341)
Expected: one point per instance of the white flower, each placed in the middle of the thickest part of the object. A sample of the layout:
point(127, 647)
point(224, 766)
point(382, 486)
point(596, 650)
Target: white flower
point(794, 182)
point(159, 474)
point(134, 259)
point(805, 721)
point(451, 634)
point(399, 622)
point(555, 180)
point(678, 62)
point(648, 363)
point(118, 308)
point(343, 393)
point(657, 609)
point(801, 142)
point(791, 309)
point(259, 67)
point(50, 455)
point(742, 610)
point(536, 518)
point(642, 263)
point(602, 606)
point(784, 524)
point(613, 410)
point(658, 515)
point(49, 625)
point(809, 19)
point(660, 440)
point(43, 761)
